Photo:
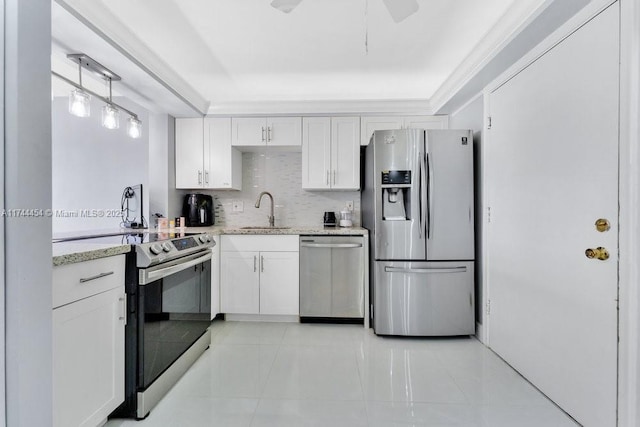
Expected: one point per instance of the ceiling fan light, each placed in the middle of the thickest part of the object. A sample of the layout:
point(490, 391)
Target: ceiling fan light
point(134, 127)
point(79, 103)
point(401, 9)
point(110, 117)
point(285, 6)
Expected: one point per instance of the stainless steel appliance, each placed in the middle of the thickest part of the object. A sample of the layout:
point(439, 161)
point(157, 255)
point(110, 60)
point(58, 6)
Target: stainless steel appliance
point(417, 202)
point(198, 211)
point(332, 278)
point(168, 285)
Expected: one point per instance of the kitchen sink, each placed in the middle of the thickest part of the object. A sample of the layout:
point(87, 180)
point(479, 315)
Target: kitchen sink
point(263, 227)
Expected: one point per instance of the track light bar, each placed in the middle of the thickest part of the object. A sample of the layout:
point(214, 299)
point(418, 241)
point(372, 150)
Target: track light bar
point(92, 93)
point(93, 65)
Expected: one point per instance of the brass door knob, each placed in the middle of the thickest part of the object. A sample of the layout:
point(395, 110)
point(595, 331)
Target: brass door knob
point(603, 225)
point(598, 253)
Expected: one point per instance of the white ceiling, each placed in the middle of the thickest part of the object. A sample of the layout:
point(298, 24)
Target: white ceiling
point(229, 52)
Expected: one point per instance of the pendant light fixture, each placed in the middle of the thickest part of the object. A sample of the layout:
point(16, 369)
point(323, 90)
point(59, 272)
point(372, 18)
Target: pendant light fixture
point(80, 103)
point(134, 127)
point(110, 114)
point(80, 98)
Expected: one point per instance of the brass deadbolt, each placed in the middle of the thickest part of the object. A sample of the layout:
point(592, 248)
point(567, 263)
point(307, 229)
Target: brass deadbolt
point(603, 225)
point(598, 253)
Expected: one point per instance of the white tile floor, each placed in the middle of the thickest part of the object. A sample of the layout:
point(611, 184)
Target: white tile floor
point(283, 374)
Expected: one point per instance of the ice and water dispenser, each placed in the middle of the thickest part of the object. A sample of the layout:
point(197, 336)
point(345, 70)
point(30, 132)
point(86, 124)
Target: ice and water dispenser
point(396, 195)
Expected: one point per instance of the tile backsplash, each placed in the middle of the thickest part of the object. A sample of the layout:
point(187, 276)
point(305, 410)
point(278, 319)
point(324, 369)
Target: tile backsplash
point(279, 173)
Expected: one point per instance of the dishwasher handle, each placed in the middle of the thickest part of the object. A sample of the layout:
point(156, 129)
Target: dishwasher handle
point(425, 270)
point(331, 245)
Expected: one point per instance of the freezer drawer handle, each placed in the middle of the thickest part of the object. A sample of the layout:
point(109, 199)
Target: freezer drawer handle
point(331, 245)
point(425, 270)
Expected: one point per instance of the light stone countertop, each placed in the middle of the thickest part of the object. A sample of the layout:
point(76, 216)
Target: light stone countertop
point(72, 251)
point(337, 231)
point(79, 251)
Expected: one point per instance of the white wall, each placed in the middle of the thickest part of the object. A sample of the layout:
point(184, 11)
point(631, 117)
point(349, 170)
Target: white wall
point(471, 117)
point(280, 173)
point(92, 165)
point(158, 163)
point(27, 177)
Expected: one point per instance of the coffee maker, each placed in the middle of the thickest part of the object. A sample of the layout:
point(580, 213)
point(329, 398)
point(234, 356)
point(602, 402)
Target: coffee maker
point(197, 210)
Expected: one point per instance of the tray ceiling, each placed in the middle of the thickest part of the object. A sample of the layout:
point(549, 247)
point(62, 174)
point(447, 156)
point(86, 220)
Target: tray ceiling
point(239, 51)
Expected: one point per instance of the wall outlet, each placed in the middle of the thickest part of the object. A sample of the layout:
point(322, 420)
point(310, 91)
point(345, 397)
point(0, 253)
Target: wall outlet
point(238, 205)
point(349, 205)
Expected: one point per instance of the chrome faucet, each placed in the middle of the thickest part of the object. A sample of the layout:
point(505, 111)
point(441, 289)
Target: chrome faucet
point(272, 218)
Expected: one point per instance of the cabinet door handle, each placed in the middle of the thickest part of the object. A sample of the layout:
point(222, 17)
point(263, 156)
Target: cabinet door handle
point(327, 176)
point(334, 177)
point(199, 177)
point(261, 264)
point(206, 177)
point(263, 139)
point(97, 276)
point(269, 133)
point(123, 299)
point(255, 260)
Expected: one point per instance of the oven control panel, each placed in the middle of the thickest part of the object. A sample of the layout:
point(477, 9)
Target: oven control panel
point(185, 243)
point(152, 253)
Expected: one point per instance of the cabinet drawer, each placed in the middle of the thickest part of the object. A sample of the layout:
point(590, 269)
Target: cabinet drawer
point(72, 282)
point(235, 243)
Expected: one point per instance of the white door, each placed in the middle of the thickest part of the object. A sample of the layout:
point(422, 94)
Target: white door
point(316, 152)
point(279, 283)
point(189, 153)
point(373, 123)
point(239, 281)
point(88, 359)
point(248, 131)
point(345, 153)
point(552, 171)
point(284, 131)
point(426, 122)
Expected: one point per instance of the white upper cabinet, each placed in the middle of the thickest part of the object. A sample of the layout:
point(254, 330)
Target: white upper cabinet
point(370, 124)
point(316, 152)
point(204, 155)
point(224, 169)
point(266, 131)
point(189, 154)
point(331, 153)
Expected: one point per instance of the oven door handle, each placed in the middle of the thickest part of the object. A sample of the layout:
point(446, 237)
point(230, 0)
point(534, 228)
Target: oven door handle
point(149, 275)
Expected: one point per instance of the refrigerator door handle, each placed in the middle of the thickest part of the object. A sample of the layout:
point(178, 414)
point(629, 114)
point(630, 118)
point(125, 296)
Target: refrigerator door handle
point(429, 195)
point(423, 187)
point(425, 270)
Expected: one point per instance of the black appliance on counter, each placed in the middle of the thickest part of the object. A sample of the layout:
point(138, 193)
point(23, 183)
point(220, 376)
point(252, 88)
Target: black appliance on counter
point(197, 210)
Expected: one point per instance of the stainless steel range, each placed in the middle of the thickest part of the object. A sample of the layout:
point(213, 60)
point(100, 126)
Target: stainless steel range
point(168, 285)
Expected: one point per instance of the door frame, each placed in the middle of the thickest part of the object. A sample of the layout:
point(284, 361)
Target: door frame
point(629, 193)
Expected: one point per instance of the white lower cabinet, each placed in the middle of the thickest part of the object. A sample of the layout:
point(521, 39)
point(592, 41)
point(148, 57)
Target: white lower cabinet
point(88, 341)
point(240, 282)
point(260, 281)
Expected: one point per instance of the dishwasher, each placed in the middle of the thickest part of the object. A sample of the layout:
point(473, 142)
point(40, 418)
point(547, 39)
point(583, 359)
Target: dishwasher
point(332, 278)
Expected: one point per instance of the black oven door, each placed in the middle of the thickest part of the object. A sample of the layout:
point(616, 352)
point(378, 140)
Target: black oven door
point(174, 307)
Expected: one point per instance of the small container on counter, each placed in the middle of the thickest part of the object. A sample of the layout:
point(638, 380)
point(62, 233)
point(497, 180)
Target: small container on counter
point(163, 223)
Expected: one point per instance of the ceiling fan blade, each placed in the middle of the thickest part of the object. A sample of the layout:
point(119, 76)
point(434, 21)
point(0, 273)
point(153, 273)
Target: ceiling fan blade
point(401, 9)
point(285, 6)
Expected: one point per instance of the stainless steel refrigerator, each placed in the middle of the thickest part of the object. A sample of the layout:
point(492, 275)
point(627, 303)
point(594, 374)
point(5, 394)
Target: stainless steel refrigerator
point(417, 202)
